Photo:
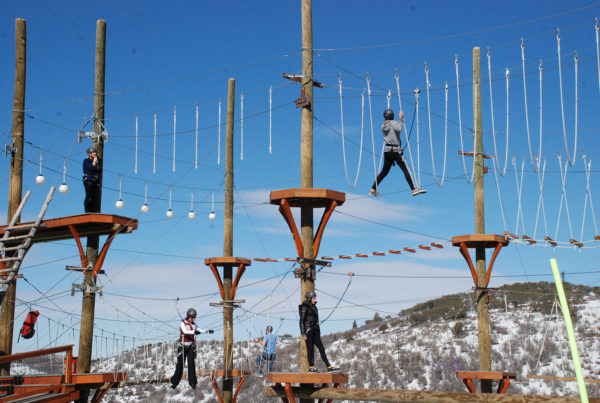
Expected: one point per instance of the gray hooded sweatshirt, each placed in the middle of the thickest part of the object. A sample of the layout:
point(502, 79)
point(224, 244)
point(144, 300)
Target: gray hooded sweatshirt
point(391, 134)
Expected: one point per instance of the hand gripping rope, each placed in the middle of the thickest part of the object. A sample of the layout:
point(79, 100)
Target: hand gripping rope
point(427, 85)
point(469, 180)
point(362, 120)
point(562, 106)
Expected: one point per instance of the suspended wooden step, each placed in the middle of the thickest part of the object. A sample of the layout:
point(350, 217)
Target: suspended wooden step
point(550, 241)
point(511, 235)
point(529, 240)
point(576, 243)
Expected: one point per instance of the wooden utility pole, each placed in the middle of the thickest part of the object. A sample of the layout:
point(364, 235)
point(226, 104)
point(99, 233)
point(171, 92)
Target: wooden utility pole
point(482, 294)
point(306, 159)
point(86, 333)
point(227, 385)
point(7, 315)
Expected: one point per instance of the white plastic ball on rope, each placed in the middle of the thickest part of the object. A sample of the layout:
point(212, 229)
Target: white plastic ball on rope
point(145, 208)
point(64, 188)
point(119, 203)
point(169, 213)
point(212, 215)
point(40, 180)
point(191, 215)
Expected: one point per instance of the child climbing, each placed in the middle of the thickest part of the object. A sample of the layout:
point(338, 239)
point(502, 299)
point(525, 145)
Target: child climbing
point(393, 151)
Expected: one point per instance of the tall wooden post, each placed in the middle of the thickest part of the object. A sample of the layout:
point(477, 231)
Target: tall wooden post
point(7, 315)
point(86, 333)
point(482, 294)
point(306, 158)
point(228, 247)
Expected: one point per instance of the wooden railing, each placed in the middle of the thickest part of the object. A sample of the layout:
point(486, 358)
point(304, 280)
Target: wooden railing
point(37, 353)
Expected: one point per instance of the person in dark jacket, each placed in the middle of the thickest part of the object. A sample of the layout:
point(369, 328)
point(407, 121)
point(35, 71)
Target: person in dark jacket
point(92, 170)
point(392, 152)
point(310, 331)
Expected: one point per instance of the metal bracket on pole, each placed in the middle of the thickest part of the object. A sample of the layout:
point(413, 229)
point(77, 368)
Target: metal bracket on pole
point(316, 262)
point(86, 288)
point(8, 148)
point(93, 135)
point(234, 303)
point(83, 269)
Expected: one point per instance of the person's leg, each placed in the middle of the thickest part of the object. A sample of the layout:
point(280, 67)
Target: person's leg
point(95, 202)
point(178, 368)
point(270, 359)
point(88, 197)
point(401, 161)
point(191, 359)
point(387, 164)
point(310, 348)
point(259, 362)
point(321, 348)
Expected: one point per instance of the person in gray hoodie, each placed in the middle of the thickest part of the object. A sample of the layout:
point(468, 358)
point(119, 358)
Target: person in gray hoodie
point(393, 151)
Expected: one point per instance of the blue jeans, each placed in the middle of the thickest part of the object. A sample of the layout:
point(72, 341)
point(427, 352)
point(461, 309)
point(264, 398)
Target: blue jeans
point(269, 358)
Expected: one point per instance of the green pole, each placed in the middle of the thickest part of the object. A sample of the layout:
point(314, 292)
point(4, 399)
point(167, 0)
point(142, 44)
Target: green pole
point(570, 333)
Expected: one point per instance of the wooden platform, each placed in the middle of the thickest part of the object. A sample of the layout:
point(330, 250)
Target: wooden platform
point(484, 240)
point(299, 197)
point(312, 380)
point(503, 378)
point(54, 388)
point(57, 229)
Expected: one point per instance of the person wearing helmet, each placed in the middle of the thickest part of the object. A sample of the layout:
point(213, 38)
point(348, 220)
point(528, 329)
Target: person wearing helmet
point(268, 354)
point(392, 152)
point(92, 170)
point(187, 349)
point(311, 332)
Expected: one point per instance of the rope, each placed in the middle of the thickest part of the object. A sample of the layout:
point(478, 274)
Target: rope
point(541, 202)
point(368, 80)
point(270, 115)
point(588, 167)
point(445, 128)
point(135, 169)
point(351, 275)
point(407, 135)
point(418, 184)
point(563, 178)
point(219, 137)
point(499, 196)
point(196, 148)
point(242, 126)
point(174, 133)
point(495, 160)
point(598, 51)
point(525, 101)
point(562, 106)
point(519, 193)
point(154, 154)
point(469, 180)
point(361, 136)
point(539, 156)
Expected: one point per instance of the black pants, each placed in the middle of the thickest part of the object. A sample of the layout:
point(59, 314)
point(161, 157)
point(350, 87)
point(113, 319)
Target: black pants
point(313, 339)
point(189, 354)
point(91, 204)
point(389, 157)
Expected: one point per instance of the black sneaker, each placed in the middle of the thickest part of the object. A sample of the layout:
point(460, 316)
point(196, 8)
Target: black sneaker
point(173, 386)
point(331, 368)
point(312, 369)
point(193, 386)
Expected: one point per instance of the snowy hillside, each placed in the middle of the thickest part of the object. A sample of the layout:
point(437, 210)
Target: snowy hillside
point(420, 349)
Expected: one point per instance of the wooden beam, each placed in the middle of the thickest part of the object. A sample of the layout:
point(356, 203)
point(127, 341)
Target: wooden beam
point(402, 396)
point(560, 378)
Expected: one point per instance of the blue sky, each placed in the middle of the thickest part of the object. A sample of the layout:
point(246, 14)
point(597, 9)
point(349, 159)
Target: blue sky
point(171, 56)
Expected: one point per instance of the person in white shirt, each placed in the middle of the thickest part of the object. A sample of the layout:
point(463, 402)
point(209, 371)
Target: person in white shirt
point(187, 349)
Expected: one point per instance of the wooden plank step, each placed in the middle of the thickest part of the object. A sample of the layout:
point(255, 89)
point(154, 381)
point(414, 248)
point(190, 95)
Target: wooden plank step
point(13, 238)
point(19, 227)
point(9, 248)
point(10, 259)
point(48, 397)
